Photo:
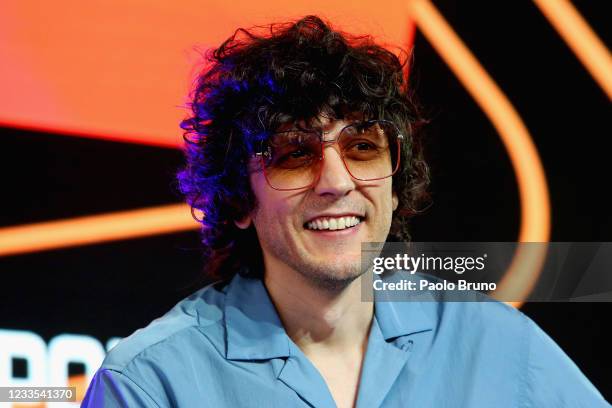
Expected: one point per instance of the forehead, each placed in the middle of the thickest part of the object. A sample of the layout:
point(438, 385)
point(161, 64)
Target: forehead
point(321, 122)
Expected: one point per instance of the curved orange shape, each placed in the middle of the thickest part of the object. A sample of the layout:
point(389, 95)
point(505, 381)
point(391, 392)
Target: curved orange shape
point(581, 39)
point(95, 229)
point(534, 199)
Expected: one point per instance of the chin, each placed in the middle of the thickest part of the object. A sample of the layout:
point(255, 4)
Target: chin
point(335, 275)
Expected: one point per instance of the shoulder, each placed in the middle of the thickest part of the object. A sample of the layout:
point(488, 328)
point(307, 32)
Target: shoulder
point(183, 327)
point(159, 364)
point(500, 336)
point(552, 378)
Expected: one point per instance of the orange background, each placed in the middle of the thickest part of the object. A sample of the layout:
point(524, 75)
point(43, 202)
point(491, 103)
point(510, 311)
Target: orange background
point(122, 69)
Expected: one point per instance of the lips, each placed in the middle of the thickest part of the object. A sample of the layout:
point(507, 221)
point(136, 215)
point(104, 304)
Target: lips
point(333, 223)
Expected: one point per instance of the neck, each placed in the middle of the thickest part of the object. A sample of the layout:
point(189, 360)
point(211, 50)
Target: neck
point(317, 319)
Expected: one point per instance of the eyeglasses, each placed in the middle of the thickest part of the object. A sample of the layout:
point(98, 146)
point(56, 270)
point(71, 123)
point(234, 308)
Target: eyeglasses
point(370, 150)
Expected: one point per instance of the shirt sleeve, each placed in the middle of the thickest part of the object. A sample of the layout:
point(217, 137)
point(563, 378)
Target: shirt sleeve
point(553, 380)
point(110, 388)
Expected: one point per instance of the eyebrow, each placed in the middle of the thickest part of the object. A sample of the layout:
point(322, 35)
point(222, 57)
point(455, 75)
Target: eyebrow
point(318, 128)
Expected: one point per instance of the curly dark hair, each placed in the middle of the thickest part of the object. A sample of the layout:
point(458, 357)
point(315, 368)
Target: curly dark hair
point(261, 78)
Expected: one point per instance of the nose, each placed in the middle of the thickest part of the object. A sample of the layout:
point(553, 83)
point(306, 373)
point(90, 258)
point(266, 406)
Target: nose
point(333, 179)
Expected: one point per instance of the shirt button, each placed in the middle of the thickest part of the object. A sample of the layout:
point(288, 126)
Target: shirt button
point(407, 346)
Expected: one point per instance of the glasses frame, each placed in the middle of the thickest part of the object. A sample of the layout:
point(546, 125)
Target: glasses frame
point(263, 152)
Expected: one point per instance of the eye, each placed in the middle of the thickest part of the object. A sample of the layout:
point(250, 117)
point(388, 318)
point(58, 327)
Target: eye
point(361, 146)
point(296, 154)
point(364, 146)
point(293, 157)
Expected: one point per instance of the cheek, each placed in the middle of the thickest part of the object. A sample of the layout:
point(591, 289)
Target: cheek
point(386, 201)
point(385, 207)
point(274, 207)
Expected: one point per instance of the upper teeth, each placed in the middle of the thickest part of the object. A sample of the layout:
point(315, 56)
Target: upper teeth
point(336, 223)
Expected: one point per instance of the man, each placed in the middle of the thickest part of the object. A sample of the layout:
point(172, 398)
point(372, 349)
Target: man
point(301, 146)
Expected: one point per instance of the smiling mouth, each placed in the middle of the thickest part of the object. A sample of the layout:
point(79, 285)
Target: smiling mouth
point(333, 223)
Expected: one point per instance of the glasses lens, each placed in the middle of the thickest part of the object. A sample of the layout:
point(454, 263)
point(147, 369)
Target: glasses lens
point(370, 149)
point(290, 159)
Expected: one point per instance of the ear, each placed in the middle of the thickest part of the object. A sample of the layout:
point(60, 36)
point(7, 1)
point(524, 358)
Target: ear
point(243, 223)
point(395, 201)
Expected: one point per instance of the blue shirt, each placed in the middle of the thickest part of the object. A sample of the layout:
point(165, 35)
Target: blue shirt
point(225, 346)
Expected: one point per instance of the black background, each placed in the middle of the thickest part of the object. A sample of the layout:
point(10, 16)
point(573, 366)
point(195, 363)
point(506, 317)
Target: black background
point(112, 289)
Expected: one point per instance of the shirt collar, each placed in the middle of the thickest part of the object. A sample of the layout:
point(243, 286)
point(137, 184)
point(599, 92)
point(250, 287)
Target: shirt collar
point(402, 318)
point(255, 331)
